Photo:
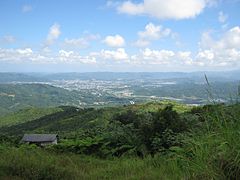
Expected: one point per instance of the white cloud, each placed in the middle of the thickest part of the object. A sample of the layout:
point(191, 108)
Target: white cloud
point(26, 8)
point(222, 18)
point(213, 53)
point(164, 58)
point(154, 32)
point(157, 56)
point(53, 34)
point(185, 57)
point(27, 55)
point(19, 55)
point(206, 54)
point(131, 8)
point(114, 41)
point(144, 57)
point(73, 57)
point(27, 51)
point(224, 51)
point(165, 9)
point(82, 42)
point(66, 54)
point(151, 32)
point(117, 55)
point(231, 39)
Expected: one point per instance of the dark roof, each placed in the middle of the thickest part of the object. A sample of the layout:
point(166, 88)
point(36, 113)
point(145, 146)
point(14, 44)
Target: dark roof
point(39, 137)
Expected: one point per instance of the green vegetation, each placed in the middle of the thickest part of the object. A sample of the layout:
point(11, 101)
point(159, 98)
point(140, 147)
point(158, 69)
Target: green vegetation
point(14, 97)
point(35, 163)
point(26, 115)
point(6, 77)
point(191, 91)
point(156, 140)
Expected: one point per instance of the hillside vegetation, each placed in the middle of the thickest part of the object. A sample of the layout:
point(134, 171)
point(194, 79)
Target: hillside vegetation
point(25, 115)
point(157, 140)
point(14, 97)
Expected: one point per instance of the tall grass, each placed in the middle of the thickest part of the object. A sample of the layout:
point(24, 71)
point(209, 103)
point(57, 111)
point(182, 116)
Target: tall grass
point(213, 152)
point(35, 163)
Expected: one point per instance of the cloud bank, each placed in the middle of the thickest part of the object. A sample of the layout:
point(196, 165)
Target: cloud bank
point(165, 9)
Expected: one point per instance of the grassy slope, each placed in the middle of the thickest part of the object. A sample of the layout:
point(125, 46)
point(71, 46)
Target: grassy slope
point(26, 115)
point(35, 163)
point(210, 151)
point(74, 119)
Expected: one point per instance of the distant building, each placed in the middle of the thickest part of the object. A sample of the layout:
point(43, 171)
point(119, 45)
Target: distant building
point(40, 139)
point(132, 102)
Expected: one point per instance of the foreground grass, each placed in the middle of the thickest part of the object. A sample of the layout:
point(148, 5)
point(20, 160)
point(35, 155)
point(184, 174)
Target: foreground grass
point(34, 163)
point(213, 152)
point(205, 156)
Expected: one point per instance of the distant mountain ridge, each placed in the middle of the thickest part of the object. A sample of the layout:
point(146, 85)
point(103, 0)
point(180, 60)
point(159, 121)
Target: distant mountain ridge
point(18, 77)
point(42, 77)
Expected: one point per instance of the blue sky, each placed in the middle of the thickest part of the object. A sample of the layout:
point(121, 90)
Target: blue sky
point(104, 35)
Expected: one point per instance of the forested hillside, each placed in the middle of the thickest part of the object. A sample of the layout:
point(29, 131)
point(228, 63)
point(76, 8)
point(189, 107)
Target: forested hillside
point(14, 97)
point(25, 115)
point(165, 139)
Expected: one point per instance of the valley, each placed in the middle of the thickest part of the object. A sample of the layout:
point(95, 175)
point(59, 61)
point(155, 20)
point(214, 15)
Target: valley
point(113, 89)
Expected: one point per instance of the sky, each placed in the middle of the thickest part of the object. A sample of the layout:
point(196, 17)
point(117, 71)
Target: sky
point(119, 36)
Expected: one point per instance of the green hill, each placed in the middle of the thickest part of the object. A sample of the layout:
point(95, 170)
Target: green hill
point(19, 96)
point(144, 141)
point(26, 115)
point(71, 119)
point(7, 77)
